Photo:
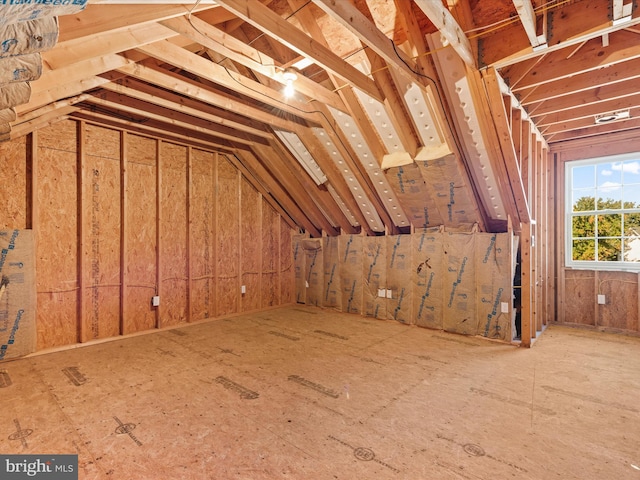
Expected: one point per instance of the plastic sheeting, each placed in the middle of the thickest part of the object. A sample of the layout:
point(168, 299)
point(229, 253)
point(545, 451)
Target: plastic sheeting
point(14, 94)
point(28, 37)
point(13, 11)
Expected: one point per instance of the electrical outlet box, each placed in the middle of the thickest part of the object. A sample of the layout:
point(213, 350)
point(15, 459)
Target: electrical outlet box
point(382, 292)
point(601, 299)
point(504, 307)
point(243, 289)
point(389, 293)
point(155, 301)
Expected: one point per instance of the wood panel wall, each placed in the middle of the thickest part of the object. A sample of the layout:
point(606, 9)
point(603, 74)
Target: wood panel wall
point(578, 289)
point(119, 218)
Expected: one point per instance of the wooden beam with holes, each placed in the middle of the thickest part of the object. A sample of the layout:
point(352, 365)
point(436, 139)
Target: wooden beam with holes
point(363, 27)
point(386, 61)
point(356, 112)
point(334, 176)
point(357, 169)
point(319, 193)
point(271, 159)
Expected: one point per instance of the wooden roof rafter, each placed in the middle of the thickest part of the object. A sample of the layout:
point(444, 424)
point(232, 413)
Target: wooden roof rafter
point(256, 14)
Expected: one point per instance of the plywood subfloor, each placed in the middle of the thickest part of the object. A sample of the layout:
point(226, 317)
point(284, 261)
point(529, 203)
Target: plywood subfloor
point(306, 393)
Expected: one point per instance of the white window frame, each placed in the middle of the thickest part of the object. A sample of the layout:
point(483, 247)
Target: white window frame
point(569, 214)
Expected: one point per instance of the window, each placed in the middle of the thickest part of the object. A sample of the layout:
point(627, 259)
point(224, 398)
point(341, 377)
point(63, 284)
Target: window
point(603, 212)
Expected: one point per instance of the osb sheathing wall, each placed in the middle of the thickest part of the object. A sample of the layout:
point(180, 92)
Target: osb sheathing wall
point(119, 218)
point(578, 289)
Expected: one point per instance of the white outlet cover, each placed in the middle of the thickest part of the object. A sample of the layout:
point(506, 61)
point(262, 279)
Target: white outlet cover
point(504, 307)
point(601, 299)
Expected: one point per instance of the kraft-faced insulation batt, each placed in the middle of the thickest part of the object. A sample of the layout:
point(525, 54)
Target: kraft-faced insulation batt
point(17, 294)
point(298, 262)
point(28, 37)
point(451, 193)
point(398, 288)
point(351, 259)
point(313, 271)
point(415, 198)
point(374, 271)
point(332, 286)
point(428, 278)
point(494, 285)
point(459, 284)
point(20, 68)
point(14, 94)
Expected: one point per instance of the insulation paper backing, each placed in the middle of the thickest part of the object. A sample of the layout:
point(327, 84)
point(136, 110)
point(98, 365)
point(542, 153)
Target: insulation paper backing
point(398, 286)
point(350, 249)
point(374, 270)
point(427, 277)
point(17, 294)
point(332, 291)
point(414, 196)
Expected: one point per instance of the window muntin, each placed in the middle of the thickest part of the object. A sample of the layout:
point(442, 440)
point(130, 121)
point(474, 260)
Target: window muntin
point(603, 212)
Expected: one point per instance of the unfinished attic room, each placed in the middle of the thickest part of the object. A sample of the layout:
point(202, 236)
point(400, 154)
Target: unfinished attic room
point(320, 239)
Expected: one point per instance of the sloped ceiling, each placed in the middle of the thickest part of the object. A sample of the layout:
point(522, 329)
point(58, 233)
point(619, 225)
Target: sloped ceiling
point(393, 106)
